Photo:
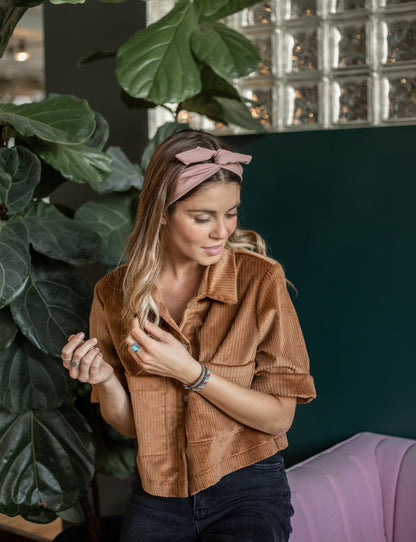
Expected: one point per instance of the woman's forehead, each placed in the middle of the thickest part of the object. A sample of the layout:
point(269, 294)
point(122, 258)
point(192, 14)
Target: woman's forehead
point(217, 193)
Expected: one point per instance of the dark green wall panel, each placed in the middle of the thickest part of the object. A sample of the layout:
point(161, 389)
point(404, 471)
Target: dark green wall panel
point(337, 209)
point(74, 31)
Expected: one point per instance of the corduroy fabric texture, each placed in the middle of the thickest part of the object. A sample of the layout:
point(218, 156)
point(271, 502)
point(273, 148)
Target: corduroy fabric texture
point(243, 326)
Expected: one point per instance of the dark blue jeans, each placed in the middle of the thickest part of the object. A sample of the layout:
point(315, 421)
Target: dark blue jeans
point(248, 505)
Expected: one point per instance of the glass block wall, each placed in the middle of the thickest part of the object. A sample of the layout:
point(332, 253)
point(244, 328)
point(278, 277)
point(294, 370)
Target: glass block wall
point(326, 63)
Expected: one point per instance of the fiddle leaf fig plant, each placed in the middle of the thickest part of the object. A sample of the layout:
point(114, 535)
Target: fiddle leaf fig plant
point(167, 62)
point(46, 442)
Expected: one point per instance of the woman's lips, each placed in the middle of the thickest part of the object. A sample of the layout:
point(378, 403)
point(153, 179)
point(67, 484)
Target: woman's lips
point(213, 251)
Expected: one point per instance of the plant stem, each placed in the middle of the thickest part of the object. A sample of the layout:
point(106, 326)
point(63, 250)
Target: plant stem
point(93, 521)
point(3, 208)
point(3, 212)
point(2, 141)
point(95, 497)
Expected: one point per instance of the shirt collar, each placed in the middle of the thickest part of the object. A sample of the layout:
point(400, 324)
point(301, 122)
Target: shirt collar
point(219, 281)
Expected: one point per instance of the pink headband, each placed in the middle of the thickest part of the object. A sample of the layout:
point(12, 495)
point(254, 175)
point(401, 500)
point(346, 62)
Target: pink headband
point(195, 174)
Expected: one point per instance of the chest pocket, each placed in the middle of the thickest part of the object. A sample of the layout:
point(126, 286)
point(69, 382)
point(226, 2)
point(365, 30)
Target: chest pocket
point(148, 400)
point(228, 337)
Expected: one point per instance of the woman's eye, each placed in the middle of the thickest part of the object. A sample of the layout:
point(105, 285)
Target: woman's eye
point(200, 220)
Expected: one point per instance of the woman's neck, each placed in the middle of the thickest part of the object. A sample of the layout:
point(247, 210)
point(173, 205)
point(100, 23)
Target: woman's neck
point(179, 270)
point(178, 286)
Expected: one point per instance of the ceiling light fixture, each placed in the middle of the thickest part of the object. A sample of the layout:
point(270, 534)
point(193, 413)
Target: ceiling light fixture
point(21, 54)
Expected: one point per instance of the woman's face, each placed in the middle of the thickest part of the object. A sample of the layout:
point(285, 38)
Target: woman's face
point(200, 225)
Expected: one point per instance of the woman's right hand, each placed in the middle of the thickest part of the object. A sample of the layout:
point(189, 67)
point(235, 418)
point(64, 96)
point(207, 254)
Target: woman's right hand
point(84, 360)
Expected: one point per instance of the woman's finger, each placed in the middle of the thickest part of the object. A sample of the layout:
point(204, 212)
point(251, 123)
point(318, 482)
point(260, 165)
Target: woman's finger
point(85, 347)
point(95, 366)
point(68, 350)
point(133, 344)
point(85, 365)
point(157, 332)
point(78, 356)
point(139, 339)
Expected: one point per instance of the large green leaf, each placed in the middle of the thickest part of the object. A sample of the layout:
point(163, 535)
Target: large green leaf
point(19, 175)
point(101, 132)
point(49, 181)
point(31, 379)
point(60, 119)
point(73, 515)
point(19, 3)
point(226, 51)
point(9, 17)
point(236, 112)
point(116, 453)
point(59, 237)
point(67, 1)
point(39, 515)
point(161, 134)
point(157, 63)
point(96, 54)
point(214, 85)
point(124, 174)
point(14, 259)
point(47, 461)
point(136, 103)
point(217, 9)
point(8, 328)
point(111, 216)
point(54, 304)
point(77, 163)
point(205, 103)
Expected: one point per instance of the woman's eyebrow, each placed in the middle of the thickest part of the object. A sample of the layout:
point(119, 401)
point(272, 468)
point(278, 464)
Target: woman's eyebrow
point(211, 211)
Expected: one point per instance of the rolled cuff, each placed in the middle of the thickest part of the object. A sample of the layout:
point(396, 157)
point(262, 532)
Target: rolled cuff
point(299, 385)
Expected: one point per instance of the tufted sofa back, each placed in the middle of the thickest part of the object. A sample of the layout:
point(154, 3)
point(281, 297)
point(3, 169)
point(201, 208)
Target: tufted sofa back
point(361, 490)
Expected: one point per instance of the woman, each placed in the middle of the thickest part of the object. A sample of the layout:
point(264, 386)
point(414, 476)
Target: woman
point(197, 352)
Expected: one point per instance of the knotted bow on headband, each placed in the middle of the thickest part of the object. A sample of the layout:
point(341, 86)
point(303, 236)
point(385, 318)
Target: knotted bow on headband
point(193, 175)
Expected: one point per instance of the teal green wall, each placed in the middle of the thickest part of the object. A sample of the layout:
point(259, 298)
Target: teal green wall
point(337, 209)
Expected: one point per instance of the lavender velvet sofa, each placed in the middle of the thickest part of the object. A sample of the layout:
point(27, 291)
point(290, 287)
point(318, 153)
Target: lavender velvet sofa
point(361, 490)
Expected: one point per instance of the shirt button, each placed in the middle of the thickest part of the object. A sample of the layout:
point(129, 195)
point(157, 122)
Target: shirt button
point(185, 346)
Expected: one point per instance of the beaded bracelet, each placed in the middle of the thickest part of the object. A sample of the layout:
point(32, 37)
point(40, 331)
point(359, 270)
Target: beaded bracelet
point(202, 380)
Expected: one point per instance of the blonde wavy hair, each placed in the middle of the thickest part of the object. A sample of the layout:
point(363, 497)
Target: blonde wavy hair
point(145, 246)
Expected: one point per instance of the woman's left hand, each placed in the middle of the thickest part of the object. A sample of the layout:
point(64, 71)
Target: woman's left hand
point(159, 353)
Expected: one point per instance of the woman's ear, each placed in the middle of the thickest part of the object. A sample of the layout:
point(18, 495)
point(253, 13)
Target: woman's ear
point(163, 221)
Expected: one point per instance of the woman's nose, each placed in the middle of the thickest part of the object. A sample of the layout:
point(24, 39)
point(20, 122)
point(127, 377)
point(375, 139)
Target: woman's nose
point(219, 230)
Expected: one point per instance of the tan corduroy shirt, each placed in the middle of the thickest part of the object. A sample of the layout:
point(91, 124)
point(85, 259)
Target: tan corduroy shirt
point(243, 326)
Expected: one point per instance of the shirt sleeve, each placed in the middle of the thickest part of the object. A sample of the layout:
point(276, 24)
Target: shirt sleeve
point(282, 362)
point(100, 330)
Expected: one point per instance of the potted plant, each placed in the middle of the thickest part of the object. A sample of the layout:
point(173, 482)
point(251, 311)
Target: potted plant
point(48, 448)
